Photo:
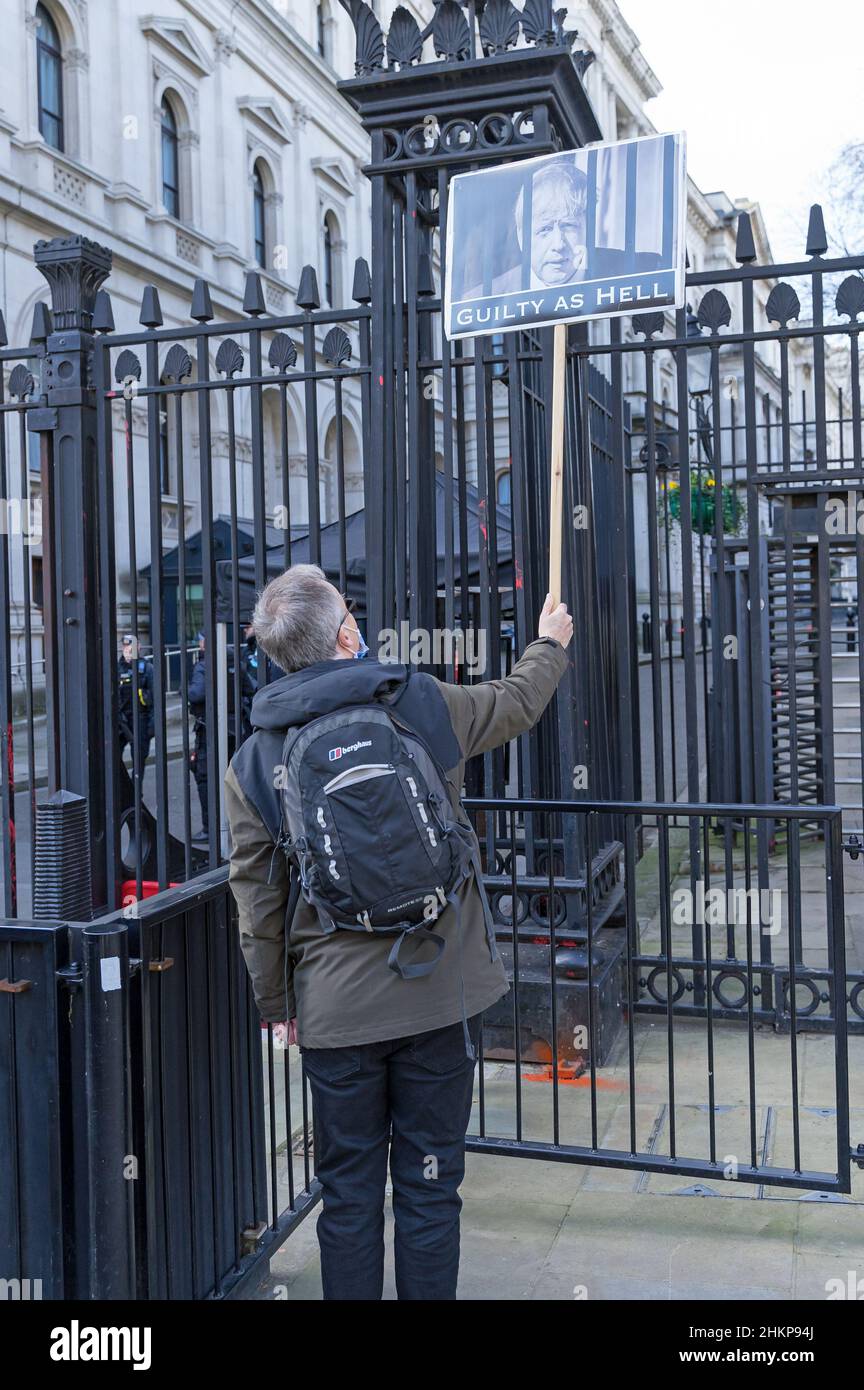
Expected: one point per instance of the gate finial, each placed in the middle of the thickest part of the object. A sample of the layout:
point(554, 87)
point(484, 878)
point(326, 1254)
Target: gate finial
point(369, 56)
point(151, 310)
point(253, 299)
point(202, 305)
point(745, 247)
point(307, 294)
point(817, 241)
point(103, 314)
point(42, 325)
point(361, 291)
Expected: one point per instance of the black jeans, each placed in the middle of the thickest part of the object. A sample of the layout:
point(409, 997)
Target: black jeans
point(413, 1095)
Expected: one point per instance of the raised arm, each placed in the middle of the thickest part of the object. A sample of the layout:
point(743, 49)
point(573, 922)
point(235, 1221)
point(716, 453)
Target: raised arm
point(486, 715)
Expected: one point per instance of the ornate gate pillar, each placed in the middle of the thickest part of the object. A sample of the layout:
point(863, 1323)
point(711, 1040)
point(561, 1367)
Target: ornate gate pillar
point(427, 121)
point(75, 662)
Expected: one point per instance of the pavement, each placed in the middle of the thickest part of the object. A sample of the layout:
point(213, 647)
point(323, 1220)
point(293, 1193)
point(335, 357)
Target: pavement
point(540, 1230)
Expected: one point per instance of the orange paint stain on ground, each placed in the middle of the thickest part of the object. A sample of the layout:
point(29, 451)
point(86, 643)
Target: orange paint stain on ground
point(572, 1074)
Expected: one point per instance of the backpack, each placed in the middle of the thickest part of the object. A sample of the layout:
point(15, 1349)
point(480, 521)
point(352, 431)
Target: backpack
point(371, 836)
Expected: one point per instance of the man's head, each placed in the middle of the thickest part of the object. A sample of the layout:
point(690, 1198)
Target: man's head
point(559, 195)
point(129, 646)
point(300, 618)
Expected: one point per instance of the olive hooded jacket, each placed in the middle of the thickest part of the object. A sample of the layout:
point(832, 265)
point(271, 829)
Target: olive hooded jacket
point(338, 985)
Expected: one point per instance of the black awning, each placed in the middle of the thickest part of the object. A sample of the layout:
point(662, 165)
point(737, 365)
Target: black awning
point(355, 555)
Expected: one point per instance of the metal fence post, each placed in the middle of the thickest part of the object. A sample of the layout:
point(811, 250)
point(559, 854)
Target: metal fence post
point(75, 267)
point(106, 1100)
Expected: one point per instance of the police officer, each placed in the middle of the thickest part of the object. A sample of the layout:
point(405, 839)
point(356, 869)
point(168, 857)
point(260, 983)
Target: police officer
point(196, 696)
point(248, 681)
point(130, 661)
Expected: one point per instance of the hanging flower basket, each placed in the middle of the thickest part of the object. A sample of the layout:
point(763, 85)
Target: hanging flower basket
point(703, 492)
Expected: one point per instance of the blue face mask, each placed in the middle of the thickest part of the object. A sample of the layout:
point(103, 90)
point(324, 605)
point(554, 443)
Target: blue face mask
point(362, 650)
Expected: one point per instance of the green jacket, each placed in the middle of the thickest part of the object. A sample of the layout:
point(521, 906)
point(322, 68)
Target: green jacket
point(339, 987)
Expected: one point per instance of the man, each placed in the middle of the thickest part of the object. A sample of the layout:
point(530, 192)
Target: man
point(135, 693)
point(559, 238)
point(559, 194)
point(196, 696)
point(385, 1056)
point(248, 685)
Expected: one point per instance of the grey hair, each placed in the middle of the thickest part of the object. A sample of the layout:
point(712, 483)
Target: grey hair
point(296, 617)
point(558, 172)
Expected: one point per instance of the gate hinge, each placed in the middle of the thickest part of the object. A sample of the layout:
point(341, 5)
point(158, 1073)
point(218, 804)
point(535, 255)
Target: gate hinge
point(852, 846)
point(858, 1156)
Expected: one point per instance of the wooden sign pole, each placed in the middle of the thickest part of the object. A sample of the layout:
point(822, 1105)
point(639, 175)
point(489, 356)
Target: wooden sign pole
point(556, 479)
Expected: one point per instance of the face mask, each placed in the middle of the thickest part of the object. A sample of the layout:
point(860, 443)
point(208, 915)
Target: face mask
point(362, 650)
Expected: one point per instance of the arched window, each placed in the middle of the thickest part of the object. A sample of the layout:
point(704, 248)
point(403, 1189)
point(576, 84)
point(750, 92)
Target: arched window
point(502, 488)
point(328, 260)
point(258, 216)
point(49, 62)
point(170, 161)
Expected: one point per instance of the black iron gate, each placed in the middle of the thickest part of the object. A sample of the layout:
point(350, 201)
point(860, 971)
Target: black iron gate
point(699, 745)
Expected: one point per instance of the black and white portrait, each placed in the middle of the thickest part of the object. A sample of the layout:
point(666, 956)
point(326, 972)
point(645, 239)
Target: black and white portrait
point(581, 234)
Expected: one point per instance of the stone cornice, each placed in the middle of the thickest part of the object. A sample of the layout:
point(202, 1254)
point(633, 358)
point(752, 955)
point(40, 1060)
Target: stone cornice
point(333, 171)
point(625, 44)
point(178, 37)
point(257, 28)
point(263, 111)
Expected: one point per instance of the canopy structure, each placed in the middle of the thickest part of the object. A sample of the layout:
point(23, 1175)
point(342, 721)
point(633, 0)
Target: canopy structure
point(355, 555)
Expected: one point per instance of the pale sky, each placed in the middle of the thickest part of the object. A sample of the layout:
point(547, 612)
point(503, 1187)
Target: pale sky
point(768, 91)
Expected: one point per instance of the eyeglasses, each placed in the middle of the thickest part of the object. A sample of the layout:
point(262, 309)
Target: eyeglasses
point(350, 605)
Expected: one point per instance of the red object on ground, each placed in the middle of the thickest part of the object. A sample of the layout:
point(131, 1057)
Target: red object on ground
point(149, 889)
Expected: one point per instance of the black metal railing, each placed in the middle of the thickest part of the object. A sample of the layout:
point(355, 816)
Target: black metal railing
point(24, 468)
point(153, 1144)
point(156, 1147)
point(598, 998)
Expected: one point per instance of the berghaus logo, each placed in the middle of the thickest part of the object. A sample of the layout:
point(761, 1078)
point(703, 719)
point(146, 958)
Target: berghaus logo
point(340, 752)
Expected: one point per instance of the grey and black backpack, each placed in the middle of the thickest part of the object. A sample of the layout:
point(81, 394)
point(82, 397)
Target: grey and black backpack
point(370, 833)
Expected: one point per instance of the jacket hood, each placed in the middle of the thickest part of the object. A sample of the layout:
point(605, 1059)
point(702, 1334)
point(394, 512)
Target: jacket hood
point(319, 689)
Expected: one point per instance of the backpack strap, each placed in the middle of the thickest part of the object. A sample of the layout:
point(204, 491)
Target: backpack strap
point(290, 909)
point(466, 834)
point(456, 903)
point(414, 970)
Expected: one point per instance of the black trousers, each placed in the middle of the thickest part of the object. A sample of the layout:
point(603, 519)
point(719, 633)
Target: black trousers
point(410, 1096)
point(144, 740)
point(199, 772)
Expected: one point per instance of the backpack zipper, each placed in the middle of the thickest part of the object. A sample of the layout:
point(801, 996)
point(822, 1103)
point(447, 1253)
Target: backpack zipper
point(361, 772)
